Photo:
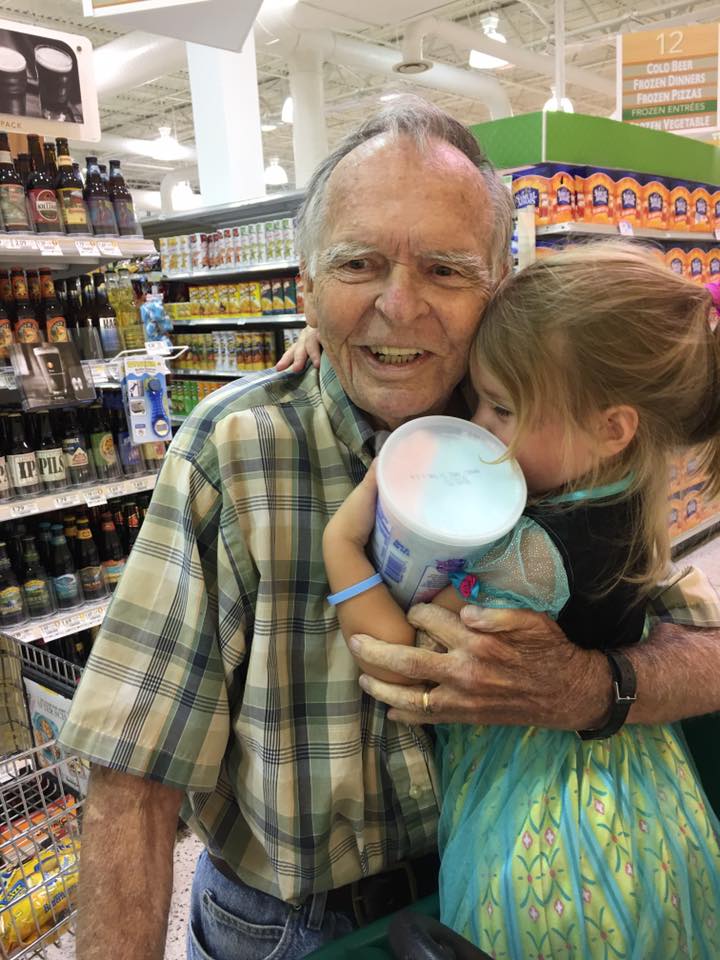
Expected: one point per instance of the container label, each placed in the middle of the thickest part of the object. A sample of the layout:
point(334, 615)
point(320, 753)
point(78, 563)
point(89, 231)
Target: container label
point(57, 331)
point(74, 452)
point(72, 207)
point(93, 582)
point(37, 594)
point(104, 449)
point(51, 465)
point(12, 205)
point(4, 478)
point(67, 588)
point(23, 469)
point(27, 330)
point(125, 214)
point(44, 208)
point(113, 570)
point(10, 602)
point(102, 215)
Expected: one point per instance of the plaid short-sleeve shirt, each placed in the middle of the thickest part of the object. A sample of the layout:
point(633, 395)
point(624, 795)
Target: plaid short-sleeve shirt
point(221, 670)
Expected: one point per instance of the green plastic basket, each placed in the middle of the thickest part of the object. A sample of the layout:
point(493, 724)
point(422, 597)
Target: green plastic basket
point(371, 942)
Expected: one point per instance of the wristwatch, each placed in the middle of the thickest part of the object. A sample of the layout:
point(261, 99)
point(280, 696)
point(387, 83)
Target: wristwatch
point(624, 687)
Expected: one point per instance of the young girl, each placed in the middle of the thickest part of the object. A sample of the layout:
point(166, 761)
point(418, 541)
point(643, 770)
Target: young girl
point(593, 366)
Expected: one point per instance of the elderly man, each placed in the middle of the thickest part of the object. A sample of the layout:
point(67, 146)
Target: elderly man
point(220, 682)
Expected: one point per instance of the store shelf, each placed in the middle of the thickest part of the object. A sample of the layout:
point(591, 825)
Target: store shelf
point(92, 495)
point(237, 271)
point(269, 207)
point(31, 250)
point(219, 374)
point(605, 230)
point(60, 624)
point(273, 320)
point(687, 536)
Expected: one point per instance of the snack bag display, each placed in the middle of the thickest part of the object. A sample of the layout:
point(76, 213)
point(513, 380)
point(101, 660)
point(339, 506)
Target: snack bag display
point(697, 264)
point(676, 259)
point(561, 187)
point(531, 189)
point(599, 193)
point(656, 199)
point(628, 199)
point(679, 213)
point(712, 265)
point(700, 201)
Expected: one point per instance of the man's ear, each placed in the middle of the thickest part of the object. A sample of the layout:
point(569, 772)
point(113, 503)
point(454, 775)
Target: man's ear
point(617, 427)
point(309, 293)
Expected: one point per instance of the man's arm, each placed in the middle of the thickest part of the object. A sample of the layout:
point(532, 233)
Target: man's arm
point(126, 867)
point(518, 668)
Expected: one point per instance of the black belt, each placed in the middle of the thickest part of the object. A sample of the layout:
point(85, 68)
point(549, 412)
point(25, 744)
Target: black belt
point(371, 898)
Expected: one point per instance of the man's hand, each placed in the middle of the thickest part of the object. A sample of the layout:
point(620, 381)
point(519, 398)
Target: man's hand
point(306, 347)
point(514, 667)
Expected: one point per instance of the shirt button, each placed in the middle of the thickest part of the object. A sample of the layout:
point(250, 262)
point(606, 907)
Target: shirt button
point(415, 791)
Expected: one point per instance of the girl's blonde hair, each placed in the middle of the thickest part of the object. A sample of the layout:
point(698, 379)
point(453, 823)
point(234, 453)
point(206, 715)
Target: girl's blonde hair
point(601, 325)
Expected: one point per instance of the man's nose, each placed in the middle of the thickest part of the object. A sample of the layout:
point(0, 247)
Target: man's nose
point(401, 298)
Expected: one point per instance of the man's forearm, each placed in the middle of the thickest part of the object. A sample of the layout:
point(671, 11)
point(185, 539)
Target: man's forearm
point(126, 867)
point(678, 673)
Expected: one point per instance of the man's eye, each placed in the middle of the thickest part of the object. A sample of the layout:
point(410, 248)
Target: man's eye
point(442, 270)
point(359, 263)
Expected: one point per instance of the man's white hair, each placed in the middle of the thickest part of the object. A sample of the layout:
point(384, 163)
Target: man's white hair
point(422, 122)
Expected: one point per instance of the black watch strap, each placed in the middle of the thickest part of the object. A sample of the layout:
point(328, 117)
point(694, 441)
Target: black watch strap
point(624, 689)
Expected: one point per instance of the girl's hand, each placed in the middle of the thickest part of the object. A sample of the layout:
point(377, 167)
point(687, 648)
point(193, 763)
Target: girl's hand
point(307, 346)
point(354, 521)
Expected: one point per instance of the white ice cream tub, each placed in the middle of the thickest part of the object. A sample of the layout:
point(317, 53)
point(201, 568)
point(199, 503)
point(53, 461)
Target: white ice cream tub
point(442, 497)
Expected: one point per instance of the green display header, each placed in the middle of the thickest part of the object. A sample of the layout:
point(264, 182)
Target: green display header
point(534, 138)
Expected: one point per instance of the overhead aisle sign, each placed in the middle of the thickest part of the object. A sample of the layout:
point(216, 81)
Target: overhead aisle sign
point(668, 79)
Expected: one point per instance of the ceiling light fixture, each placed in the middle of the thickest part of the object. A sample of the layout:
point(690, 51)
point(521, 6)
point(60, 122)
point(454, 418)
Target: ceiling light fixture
point(275, 175)
point(166, 146)
point(288, 110)
point(554, 105)
point(268, 127)
point(485, 61)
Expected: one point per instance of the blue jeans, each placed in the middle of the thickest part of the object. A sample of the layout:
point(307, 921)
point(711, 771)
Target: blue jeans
point(231, 921)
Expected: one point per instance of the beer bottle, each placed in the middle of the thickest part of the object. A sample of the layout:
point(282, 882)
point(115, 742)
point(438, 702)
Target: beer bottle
point(21, 460)
point(131, 455)
point(88, 336)
point(72, 310)
point(12, 605)
point(24, 168)
point(12, 192)
point(43, 542)
point(69, 191)
point(89, 567)
point(70, 532)
point(66, 581)
point(122, 202)
point(44, 212)
point(104, 175)
point(102, 215)
point(51, 462)
point(111, 551)
point(106, 318)
point(78, 467)
point(51, 162)
point(79, 648)
point(18, 530)
point(116, 507)
point(154, 453)
point(33, 286)
point(6, 335)
point(27, 329)
point(6, 294)
point(132, 523)
point(37, 591)
point(53, 316)
point(6, 489)
point(103, 444)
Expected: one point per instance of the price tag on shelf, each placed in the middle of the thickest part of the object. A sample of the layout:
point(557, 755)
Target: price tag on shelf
point(157, 348)
point(55, 628)
point(25, 634)
point(115, 489)
point(66, 500)
point(18, 243)
point(109, 248)
point(139, 484)
point(7, 380)
point(95, 497)
point(86, 248)
point(49, 247)
point(24, 509)
point(626, 229)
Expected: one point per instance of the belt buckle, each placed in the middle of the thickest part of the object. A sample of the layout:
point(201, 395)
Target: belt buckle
point(360, 899)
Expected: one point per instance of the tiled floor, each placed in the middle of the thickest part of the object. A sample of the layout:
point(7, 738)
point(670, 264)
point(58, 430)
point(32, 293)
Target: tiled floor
point(187, 850)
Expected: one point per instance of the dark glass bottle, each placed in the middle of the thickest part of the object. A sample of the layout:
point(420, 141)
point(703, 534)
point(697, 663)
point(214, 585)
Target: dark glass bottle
point(14, 540)
point(6, 487)
point(133, 522)
point(106, 318)
point(102, 215)
point(122, 202)
point(89, 567)
point(21, 460)
point(6, 335)
point(49, 452)
point(116, 506)
point(6, 294)
point(69, 191)
point(51, 162)
point(131, 454)
point(78, 465)
point(43, 542)
point(37, 590)
point(12, 604)
point(53, 316)
point(79, 648)
point(27, 329)
point(111, 551)
point(105, 455)
point(66, 580)
point(32, 278)
point(12, 192)
point(43, 203)
point(88, 336)
point(73, 306)
point(70, 531)
point(24, 168)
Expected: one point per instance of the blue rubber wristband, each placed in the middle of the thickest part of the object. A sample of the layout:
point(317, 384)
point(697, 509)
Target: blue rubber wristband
point(357, 588)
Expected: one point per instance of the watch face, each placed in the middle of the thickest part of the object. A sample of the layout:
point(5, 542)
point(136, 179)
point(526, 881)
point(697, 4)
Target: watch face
point(161, 427)
point(154, 386)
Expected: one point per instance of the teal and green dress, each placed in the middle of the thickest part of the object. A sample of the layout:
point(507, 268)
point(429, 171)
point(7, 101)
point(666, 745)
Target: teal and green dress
point(553, 847)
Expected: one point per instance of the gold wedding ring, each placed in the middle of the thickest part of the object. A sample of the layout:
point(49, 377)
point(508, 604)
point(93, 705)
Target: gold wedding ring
point(426, 700)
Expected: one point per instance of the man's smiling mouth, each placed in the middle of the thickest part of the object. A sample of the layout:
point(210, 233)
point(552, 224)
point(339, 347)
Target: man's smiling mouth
point(396, 356)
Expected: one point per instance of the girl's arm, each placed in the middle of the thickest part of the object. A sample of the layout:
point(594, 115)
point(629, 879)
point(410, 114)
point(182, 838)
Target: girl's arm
point(344, 542)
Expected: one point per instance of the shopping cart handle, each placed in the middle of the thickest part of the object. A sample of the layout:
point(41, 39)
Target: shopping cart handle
point(417, 937)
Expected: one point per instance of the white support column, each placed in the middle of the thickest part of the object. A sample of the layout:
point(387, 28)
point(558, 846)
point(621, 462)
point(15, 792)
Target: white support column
point(226, 115)
point(560, 69)
point(310, 143)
